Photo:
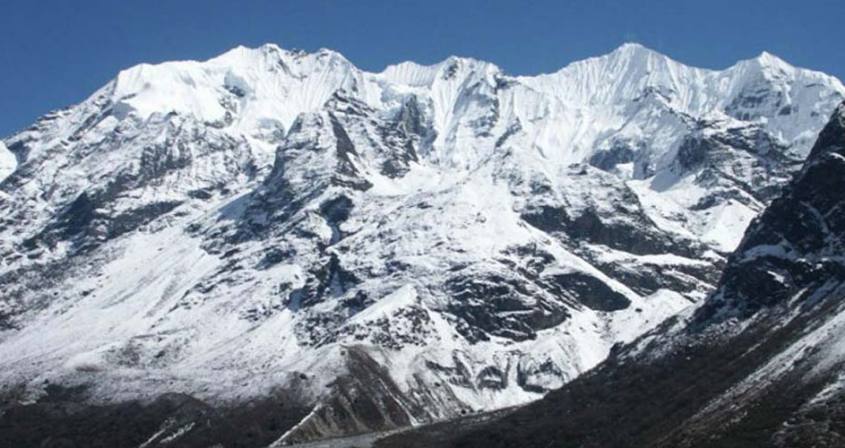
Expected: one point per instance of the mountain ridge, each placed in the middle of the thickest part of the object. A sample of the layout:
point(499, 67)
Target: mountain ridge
point(757, 364)
point(389, 248)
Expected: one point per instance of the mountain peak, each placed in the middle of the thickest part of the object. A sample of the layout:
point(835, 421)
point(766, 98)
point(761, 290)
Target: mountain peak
point(241, 52)
point(631, 56)
point(769, 61)
point(766, 62)
point(466, 64)
point(635, 51)
point(766, 58)
point(329, 53)
point(632, 47)
point(269, 46)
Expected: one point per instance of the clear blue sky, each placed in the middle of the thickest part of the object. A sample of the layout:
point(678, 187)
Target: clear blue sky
point(54, 53)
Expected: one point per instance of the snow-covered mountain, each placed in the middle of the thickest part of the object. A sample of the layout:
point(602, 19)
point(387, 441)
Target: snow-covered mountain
point(8, 162)
point(760, 363)
point(386, 248)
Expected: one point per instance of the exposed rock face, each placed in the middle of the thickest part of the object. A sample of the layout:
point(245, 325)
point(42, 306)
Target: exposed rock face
point(379, 248)
point(759, 364)
point(796, 245)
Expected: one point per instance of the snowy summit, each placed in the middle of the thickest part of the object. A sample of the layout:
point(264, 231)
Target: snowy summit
point(425, 241)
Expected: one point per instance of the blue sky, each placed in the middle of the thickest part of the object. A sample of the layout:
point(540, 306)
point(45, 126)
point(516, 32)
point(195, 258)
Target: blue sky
point(54, 53)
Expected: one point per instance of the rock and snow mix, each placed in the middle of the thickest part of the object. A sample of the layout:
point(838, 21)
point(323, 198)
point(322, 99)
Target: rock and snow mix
point(254, 221)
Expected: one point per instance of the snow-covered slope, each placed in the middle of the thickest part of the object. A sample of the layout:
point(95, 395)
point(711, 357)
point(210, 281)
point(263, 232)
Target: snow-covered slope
point(8, 162)
point(758, 364)
point(425, 241)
